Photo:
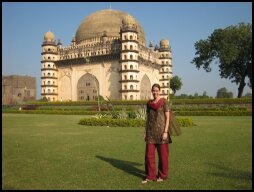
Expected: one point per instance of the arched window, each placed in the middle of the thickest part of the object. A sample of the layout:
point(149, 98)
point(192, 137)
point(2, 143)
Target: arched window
point(131, 47)
point(131, 56)
point(125, 47)
point(125, 86)
point(48, 90)
point(125, 97)
point(48, 82)
point(131, 66)
point(131, 37)
point(48, 65)
point(131, 87)
point(131, 77)
point(125, 66)
point(131, 97)
point(48, 74)
point(125, 77)
point(125, 56)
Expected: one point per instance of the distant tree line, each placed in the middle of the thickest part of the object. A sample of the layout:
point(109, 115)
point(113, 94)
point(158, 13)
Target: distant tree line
point(221, 93)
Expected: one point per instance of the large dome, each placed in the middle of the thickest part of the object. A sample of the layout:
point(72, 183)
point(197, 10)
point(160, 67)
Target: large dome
point(109, 21)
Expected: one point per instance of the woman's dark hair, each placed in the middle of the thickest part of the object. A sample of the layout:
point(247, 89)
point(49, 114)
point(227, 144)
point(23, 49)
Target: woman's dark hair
point(156, 85)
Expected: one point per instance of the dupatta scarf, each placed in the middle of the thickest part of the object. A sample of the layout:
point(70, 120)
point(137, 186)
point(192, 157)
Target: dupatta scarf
point(174, 126)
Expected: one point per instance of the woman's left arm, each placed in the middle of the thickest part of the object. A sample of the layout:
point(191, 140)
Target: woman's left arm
point(167, 121)
point(165, 133)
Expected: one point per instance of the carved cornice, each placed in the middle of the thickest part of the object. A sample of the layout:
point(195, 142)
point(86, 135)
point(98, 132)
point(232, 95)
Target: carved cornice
point(128, 90)
point(49, 94)
point(128, 81)
point(88, 60)
point(148, 63)
point(49, 86)
point(48, 77)
point(128, 70)
point(50, 69)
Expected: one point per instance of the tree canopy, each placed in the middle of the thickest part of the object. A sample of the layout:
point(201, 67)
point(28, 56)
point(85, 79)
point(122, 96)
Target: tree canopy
point(224, 93)
point(231, 48)
point(175, 84)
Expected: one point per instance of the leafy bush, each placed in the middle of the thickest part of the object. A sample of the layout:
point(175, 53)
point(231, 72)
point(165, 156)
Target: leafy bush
point(185, 122)
point(30, 107)
point(112, 122)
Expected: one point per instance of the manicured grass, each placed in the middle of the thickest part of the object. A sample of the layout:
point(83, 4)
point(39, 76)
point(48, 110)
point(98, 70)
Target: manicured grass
point(55, 152)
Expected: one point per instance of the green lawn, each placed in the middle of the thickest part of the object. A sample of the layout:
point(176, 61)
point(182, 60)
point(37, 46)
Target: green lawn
point(55, 152)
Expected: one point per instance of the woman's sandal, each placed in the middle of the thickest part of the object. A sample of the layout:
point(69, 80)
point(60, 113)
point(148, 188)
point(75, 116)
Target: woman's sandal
point(146, 181)
point(159, 179)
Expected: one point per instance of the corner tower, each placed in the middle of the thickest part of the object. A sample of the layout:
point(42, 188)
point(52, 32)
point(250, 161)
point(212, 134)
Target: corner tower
point(166, 67)
point(129, 59)
point(49, 71)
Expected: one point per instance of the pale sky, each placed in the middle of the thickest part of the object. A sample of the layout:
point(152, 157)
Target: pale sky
point(182, 23)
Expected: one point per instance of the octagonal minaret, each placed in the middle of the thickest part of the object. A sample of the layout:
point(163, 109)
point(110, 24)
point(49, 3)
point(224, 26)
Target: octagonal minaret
point(49, 76)
point(166, 67)
point(129, 59)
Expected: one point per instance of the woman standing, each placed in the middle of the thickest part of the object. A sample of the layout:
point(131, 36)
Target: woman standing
point(157, 137)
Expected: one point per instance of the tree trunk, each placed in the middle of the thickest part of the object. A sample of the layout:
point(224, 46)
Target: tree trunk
point(242, 82)
point(241, 87)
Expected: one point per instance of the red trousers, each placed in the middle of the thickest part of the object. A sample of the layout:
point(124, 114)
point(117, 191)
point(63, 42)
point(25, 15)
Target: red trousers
point(150, 164)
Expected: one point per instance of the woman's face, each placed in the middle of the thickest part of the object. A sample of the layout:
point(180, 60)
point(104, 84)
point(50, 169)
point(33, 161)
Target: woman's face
point(155, 92)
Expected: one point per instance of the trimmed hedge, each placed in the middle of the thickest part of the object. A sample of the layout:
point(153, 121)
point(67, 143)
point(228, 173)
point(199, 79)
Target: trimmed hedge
point(143, 102)
point(59, 112)
point(112, 122)
point(178, 113)
point(213, 113)
point(184, 122)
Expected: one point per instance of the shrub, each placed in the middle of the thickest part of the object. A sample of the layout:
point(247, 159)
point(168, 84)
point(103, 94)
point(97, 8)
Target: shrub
point(30, 107)
point(185, 122)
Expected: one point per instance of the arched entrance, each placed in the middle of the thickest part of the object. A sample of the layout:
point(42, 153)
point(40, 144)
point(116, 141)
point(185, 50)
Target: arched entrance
point(145, 88)
point(88, 87)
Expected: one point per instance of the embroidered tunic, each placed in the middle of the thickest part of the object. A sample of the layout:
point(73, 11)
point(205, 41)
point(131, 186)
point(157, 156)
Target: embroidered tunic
point(156, 121)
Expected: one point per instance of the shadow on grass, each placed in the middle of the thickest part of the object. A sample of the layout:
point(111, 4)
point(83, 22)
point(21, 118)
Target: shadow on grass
point(127, 166)
point(230, 173)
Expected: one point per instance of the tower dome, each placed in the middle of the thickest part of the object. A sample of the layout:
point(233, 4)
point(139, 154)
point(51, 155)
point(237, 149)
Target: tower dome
point(49, 36)
point(164, 43)
point(109, 21)
point(128, 20)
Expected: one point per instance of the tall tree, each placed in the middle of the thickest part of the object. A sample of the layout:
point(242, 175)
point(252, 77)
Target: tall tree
point(231, 48)
point(175, 84)
point(224, 93)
